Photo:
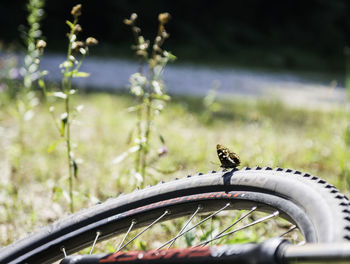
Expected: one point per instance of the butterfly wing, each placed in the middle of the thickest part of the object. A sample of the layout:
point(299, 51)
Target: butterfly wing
point(228, 159)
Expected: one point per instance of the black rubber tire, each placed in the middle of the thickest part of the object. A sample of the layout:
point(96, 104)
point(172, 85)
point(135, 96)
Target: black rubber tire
point(319, 210)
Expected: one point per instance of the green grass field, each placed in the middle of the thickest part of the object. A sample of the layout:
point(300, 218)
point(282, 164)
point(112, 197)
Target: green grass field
point(34, 184)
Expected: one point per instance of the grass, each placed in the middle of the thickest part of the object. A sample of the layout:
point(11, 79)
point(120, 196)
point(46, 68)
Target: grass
point(263, 133)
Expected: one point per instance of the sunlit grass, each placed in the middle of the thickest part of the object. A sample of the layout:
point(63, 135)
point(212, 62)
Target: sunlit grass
point(263, 134)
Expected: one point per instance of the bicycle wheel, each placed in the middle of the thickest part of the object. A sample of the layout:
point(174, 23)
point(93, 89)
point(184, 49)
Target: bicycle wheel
point(318, 210)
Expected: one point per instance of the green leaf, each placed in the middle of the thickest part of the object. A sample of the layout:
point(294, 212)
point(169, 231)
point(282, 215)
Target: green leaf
point(163, 97)
point(140, 245)
point(172, 57)
point(70, 24)
point(53, 146)
point(110, 248)
point(169, 55)
point(80, 74)
point(57, 191)
point(63, 128)
point(41, 83)
point(43, 73)
point(134, 108)
point(161, 139)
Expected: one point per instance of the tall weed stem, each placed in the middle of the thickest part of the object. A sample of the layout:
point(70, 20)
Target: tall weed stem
point(149, 90)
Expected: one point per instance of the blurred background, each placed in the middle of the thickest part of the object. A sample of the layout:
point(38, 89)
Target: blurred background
point(308, 35)
point(303, 42)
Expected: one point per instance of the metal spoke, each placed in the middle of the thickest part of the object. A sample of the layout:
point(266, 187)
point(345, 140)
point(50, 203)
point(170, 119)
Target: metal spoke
point(185, 225)
point(64, 251)
point(200, 222)
point(145, 229)
point(234, 223)
point(133, 222)
point(276, 213)
point(98, 233)
point(289, 230)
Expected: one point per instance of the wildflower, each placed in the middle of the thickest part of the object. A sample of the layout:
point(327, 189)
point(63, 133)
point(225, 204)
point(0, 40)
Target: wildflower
point(138, 79)
point(136, 29)
point(141, 53)
point(77, 45)
point(76, 10)
point(136, 90)
point(164, 18)
point(91, 41)
point(133, 17)
point(157, 87)
point(158, 39)
point(165, 34)
point(72, 59)
point(83, 50)
point(41, 44)
point(127, 22)
point(162, 151)
point(156, 48)
point(77, 28)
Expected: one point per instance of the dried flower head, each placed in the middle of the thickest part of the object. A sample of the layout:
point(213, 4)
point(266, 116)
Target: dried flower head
point(77, 45)
point(131, 20)
point(137, 30)
point(128, 22)
point(90, 41)
point(72, 59)
point(76, 10)
point(40, 44)
point(156, 48)
point(142, 53)
point(158, 58)
point(165, 34)
point(133, 17)
point(77, 28)
point(164, 18)
point(158, 39)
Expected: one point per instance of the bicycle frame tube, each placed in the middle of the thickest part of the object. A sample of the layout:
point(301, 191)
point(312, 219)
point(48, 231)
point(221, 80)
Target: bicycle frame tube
point(273, 251)
point(317, 253)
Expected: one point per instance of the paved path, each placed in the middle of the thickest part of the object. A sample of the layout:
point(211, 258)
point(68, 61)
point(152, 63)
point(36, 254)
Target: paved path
point(113, 74)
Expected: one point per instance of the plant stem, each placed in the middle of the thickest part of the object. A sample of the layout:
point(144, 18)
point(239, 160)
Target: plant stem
point(139, 136)
point(66, 87)
point(68, 145)
point(148, 103)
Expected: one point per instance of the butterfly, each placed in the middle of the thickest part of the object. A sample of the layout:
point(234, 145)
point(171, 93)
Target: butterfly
point(227, 158)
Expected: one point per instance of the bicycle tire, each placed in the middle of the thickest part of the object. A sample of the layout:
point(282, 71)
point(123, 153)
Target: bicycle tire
point(316, 207)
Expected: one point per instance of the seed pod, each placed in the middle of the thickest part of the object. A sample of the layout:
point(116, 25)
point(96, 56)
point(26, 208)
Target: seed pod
point(41, 44)
point(77, 45)
point(164, 18)
point(76, 10)
point(90, 41)
point(77, 28)
point(133, 17)
point(128, 22)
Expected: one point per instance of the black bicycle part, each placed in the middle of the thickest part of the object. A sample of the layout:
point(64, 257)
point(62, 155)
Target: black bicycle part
point(321, 213)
